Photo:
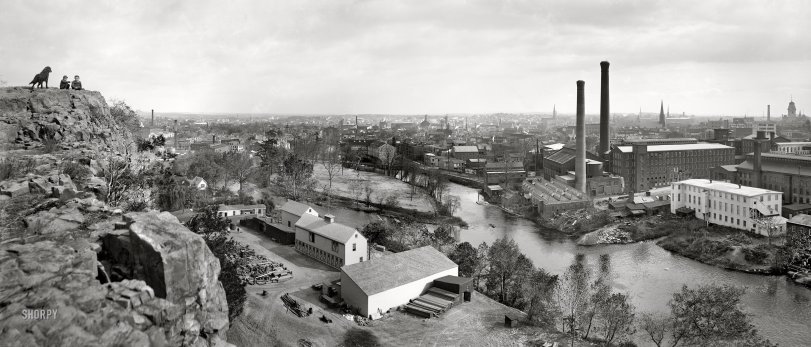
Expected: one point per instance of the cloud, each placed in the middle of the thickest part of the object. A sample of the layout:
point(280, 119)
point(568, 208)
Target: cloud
point(415, 57)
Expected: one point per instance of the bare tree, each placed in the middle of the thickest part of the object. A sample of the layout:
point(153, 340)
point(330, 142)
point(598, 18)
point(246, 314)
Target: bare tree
point(387, 154)
point(331, 162)
point(240, 166)
point(572, 294)
point(356, 188)
point(616, 318)
point(367, 192)
point(655, 326)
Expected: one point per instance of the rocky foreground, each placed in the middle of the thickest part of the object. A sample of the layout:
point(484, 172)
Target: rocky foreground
point(75, 271)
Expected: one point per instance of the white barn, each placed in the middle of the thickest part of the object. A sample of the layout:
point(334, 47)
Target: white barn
point(329, 242)
point(374, 287)
point(292, 211)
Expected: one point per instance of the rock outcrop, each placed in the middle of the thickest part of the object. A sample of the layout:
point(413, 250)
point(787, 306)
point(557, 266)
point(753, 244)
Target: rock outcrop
point(75, 271)
point(76, 117)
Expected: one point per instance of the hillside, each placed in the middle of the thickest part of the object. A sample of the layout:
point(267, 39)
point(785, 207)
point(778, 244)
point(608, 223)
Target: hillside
point(75, 271)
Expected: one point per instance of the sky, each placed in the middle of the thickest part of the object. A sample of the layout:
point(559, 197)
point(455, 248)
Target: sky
point(726, 57)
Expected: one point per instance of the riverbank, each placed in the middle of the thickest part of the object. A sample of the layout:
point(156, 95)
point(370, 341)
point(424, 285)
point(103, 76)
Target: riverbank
point(627, 231)
point(384, 210)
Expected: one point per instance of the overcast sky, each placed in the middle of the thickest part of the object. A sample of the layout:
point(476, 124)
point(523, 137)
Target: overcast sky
point(414, 57)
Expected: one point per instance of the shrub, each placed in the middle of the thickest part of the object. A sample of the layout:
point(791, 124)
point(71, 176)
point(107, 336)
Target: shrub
point(50, 141)
point(15, 167)
point(78, 173)
point(755, 255)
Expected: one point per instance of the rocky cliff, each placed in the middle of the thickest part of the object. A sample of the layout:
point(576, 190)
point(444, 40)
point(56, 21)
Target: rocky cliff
point(76, 272)
point(77, 118)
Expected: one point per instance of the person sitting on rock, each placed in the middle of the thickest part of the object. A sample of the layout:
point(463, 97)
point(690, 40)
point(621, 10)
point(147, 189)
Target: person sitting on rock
point(65, 84)
point(77, 85)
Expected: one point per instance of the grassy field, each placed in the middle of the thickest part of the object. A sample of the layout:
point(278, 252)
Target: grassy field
point(382, 186)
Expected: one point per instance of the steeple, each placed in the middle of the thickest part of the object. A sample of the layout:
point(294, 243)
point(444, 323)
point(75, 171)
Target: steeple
point(662, 114)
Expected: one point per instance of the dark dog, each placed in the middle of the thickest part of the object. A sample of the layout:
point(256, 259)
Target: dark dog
point(40, 78)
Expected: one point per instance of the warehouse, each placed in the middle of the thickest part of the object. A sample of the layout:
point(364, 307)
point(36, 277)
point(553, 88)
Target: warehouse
point(374, 287)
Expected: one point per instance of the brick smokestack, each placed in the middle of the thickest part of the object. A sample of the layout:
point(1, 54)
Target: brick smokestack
point(604, 108)
point(757, 180)
point(152, 125)
point(580, 140)
point(768, 113)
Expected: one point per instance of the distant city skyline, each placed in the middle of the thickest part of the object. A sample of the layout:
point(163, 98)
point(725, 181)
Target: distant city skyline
point(402, 57)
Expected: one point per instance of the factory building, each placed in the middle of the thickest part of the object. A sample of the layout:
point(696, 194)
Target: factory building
point(728, 204)
point(645, 167)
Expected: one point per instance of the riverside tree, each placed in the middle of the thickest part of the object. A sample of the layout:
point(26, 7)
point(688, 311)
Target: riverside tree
point(710, 315)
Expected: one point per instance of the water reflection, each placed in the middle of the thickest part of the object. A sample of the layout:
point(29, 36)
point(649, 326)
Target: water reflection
point(780, 309)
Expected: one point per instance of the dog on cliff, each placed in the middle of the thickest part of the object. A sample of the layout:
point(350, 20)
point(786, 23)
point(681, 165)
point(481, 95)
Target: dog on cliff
point(40, 78)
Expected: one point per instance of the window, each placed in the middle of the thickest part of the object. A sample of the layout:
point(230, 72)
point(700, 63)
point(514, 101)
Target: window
point(312, 237)
point(288, 224)
point(334, 246)
point(361, 259)
point(354, 246)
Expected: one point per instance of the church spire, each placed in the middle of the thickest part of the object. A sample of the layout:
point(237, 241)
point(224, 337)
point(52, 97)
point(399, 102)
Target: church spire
point(662, 114)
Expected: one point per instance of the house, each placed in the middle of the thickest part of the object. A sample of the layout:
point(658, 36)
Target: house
point(198, 183)
point(331, 243)
point(376, 286)
point(292, 211)
point(241, 210)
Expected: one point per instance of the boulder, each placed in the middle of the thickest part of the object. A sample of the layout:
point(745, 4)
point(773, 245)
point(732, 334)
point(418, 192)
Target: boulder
point(14, 188)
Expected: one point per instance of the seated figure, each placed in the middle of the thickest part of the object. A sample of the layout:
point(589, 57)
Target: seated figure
point(64, 84)
point(77, 85)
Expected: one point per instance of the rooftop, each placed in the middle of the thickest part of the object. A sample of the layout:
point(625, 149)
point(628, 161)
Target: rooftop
point(333, 231)
point(294, 207)
point(381, 274)
point(239, 207)
point(681, 147)
point(727, 187)
point(465, 149)
point(802, 219)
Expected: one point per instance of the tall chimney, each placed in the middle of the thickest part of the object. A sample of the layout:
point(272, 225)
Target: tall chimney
point(175, 135)
point(604, 108)
point(580, 141)
point(768, 113)
point(756, 165)
point(153, 119)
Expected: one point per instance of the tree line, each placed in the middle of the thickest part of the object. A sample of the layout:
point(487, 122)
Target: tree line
point(582, 304)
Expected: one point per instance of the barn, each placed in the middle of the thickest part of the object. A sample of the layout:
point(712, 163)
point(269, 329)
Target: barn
point(374, 287)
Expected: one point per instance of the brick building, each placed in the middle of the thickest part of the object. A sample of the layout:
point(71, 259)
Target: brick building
point(645, 167)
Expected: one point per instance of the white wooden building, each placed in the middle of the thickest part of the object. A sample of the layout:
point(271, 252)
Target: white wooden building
point(329, 242)
point(729, 204)
point(291, 212)
point(374, 287)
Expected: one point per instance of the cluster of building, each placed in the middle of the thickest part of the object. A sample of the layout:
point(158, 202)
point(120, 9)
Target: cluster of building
point(414, 280)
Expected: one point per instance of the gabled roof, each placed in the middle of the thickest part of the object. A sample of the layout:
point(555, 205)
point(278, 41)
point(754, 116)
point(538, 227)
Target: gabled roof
point(381, 274)
point(294, 207)
point(333, 231)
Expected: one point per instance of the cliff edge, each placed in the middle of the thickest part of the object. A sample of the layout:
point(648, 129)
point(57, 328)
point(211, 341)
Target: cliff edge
point(75, 271)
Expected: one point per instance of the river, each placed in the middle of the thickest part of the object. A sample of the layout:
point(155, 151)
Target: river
point(780, 309)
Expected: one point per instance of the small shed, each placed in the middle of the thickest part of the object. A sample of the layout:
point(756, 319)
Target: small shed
point(511, 320)
point(461, 286)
